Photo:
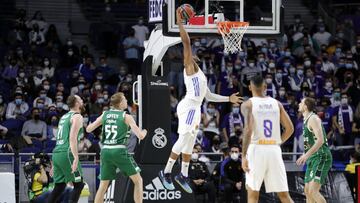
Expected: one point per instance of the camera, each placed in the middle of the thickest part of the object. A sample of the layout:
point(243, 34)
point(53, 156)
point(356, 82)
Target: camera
point(33, 165)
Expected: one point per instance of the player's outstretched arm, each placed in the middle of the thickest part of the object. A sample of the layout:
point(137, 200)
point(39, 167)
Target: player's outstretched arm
point(286, 123)
point(315, 125)
point(92, 126)
point(138, 132)
point(246, 109)
point(76, 124)
point(212, 97)
point(188, 58)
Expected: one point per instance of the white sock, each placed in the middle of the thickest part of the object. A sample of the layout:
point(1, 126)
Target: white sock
point(169, 165)
point(184, 168)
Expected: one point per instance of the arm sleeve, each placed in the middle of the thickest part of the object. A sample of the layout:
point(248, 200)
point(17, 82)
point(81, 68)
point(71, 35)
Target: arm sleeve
point(215, 97)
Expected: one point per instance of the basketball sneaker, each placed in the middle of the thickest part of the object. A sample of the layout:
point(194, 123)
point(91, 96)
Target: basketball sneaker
point(183, 182)
point(166, 180)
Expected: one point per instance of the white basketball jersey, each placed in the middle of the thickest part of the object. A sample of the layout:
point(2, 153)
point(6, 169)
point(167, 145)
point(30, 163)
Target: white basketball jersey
point(196, 86)
point(266, 114)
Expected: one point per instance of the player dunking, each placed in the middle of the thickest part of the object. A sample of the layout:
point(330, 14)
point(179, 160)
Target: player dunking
point(317, 155)
point(189, 113)
point(65, 160)
point(114, 155)
point(261, 153)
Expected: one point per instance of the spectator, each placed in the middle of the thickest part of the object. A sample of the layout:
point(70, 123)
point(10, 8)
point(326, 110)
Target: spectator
point(232, 174)
point(356, 124)
point(79, 87)
point(200, 177)
point(141, 32)
point(232, 124)
point(215, 176)
point(36, 36)
point(16, 36)
point(131, 46)
point(342, 121)
point(246, 74)
point(322, 37)
point(48, 68)
point(84, 145)
point(351, 171)
point(52, 128)
point(11, 70)
point(38, 20)
point(203, 158)
point(271, 88)
point(228, 82)
point(87, 69)
point(52, 36)
point(38, 77)
point(43, 96)
point(34, 129)
point(17, 109)
point(210, 120)
point(3, 106)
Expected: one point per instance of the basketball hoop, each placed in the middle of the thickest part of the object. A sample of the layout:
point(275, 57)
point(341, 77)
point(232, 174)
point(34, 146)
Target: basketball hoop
point(232, 34)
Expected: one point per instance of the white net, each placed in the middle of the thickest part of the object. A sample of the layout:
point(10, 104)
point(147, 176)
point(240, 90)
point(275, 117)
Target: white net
point(232, 34)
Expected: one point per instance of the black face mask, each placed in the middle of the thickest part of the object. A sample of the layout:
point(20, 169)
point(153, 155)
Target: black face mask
point(216, 142)
point(36, 117)
point(238, 132)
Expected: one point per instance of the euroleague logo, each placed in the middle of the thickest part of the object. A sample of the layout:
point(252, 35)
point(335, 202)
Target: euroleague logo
point(159, 140)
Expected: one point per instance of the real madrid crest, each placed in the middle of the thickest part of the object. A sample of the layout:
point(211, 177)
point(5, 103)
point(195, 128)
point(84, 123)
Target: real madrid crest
point(159, 140)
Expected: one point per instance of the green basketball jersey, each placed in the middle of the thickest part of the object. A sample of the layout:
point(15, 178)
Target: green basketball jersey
point(310, 138)
point(63, 134)
point(114, 129)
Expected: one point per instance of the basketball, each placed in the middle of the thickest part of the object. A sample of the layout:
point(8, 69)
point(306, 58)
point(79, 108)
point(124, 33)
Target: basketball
point(187, 11)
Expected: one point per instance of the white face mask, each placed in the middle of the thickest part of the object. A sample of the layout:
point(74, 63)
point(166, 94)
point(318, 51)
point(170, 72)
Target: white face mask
point(268, 80)
point(251, 65)
point(344, 101)
point(194, 156)
point(234, 156)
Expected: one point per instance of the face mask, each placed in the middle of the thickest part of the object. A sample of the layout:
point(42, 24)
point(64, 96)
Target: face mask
point(234, 156)
point(278, 75)
point(59, 97)
point(307, 63)
point(194, 156)
point(81, 86)
point(344, 101)
point(300, 72)
point(59, 105)
point(99, 77)
point(70, 53)
point(349, 65)
point(54, 122)
point(264, 50)
point(216, 142)
point(328, 84)
point(235, 110)
point(237, 67)
point(42, 96)
point(211, 110)
point(106, 96)
point(292, 70)
point(46, 63)
point(86, 120)
point(203, 41)
point(40, 105)
point(251, 65)
point(46, 87)
point(18, 101)
point(97, 87)
point(271, 65)
point(268, 80)
point(297, 20)
point(242, 54)
point(286, 64)
point(39, 72)
point(52, 113)
point(36, 117)
point(281, 93)
point(288, 53)
point(261, 60)
point(272, 45)
point(22, 74)
point(100, 100)
point(229, 69)
point(197, 43)
point(69, 43)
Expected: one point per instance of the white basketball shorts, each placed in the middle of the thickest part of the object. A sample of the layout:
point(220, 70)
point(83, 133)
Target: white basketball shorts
point(266, 165)
point(189, 115)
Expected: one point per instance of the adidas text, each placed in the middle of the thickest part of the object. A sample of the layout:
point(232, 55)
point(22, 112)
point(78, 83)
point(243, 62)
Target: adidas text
point(162, 195)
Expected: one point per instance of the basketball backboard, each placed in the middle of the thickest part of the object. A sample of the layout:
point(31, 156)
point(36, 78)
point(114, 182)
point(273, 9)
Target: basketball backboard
point(264, 16)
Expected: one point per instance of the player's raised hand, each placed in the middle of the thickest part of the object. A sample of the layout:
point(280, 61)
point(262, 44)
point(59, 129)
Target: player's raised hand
point(178, 15)
point(245, 165)
point(235, 98)
point(302, 160)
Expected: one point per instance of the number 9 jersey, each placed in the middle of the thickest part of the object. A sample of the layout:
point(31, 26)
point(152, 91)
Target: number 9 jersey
point(266, 114)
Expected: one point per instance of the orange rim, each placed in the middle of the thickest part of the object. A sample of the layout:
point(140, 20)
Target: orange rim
point(226, 25)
